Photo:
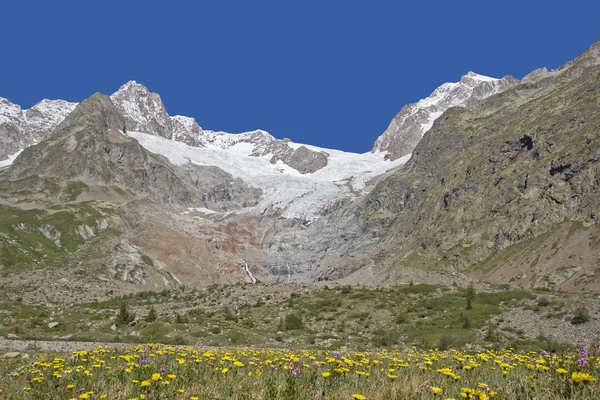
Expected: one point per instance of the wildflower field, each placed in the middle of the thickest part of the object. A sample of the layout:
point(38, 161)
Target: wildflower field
point(161, 372)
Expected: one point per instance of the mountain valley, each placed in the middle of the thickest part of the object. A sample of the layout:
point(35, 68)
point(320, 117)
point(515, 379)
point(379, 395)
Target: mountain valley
point(487, 183)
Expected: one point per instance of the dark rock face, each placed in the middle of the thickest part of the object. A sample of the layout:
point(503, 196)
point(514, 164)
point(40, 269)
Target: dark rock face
point(307, 161)
point(9, 141)
point(89, 146)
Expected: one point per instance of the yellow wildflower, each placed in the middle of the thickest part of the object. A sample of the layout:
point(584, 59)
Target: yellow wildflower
point(579, 377)
point(436, 390)
point(326, 374)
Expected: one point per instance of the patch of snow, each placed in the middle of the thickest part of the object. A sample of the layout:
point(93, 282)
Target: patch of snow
point(430, 120)
point(478, 77)
point(10, 159)
point(203, 210)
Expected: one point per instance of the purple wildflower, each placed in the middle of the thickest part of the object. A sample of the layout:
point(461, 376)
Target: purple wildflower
point(582, 357)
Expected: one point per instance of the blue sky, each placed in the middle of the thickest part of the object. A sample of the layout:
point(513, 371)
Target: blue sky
point(328, 73)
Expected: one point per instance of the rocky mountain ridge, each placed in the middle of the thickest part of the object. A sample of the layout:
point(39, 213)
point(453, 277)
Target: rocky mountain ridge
point(144, 112)
point(408, 127)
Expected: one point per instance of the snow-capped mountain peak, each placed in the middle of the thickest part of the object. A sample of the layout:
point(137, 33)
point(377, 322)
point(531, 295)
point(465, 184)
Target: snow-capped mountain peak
point(411, 123)
point(143, 110)
point(21, 128)
point(47, 114)
point(477, 77)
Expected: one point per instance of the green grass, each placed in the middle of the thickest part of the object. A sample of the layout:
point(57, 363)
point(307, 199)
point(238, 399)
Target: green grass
point(425, 315)
point(22, 242)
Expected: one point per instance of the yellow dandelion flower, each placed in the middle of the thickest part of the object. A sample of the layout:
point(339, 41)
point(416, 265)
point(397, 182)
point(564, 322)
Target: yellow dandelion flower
point(326, 374)
point(70, 386)
point(562, 371)
point(392, 377)
point(358, 396)
point(225, 370)
point(145, 383)
point(172, 376)
point(180, 391)
point(579, 377)
point(156, 377)
point(436, 390)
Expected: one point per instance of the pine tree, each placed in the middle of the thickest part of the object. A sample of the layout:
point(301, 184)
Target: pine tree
point(151, 315)
point(124, 317)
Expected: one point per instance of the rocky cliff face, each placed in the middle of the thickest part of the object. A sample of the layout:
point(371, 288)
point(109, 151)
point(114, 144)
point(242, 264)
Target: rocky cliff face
point(411, 123)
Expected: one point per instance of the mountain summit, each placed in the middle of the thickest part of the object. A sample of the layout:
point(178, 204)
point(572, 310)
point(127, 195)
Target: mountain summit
point(408, 127)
